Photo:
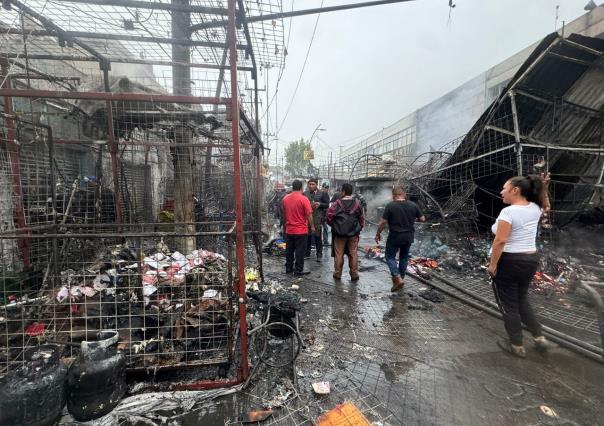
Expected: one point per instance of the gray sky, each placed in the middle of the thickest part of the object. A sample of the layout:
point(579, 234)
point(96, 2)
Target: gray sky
point(370, 67)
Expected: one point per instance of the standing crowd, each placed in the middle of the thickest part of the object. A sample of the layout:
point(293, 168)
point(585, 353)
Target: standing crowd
point(306, 216)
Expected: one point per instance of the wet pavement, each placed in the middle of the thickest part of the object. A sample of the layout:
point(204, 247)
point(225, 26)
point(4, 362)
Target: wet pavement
point(405, 360)
point(402, 359)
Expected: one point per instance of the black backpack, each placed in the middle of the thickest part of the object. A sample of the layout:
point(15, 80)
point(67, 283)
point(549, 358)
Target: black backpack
point(346, 222)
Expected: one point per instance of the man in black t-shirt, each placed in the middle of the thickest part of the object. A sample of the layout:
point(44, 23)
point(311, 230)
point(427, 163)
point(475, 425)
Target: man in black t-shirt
point(400, 216)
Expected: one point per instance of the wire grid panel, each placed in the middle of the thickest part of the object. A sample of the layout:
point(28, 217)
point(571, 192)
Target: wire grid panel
point(170, 309)
point(145, 33)
point(134, 236)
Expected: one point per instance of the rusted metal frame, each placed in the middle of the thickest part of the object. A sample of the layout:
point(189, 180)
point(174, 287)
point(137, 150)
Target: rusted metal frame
point(259, 203)
point(517, 145)
point(153, 6)
point(37, 72)
point(113, 148)
point(535, 143)
point(274, 16)
point(239, 246)
point(581, 47)
point(65, 228)
point(598, 306)
point(584, 109)
point(61, 34)
point(117, 60)
point(250, 51)
point(143, 143)
point(581, 149)
point(73, 35)
point(116, 235)
point(110, 96)
point(15, 165)
point(207, 384)
point(533, 65)
point(251, 128)
point(43, 77)
point(460, 163)
point(575, 60)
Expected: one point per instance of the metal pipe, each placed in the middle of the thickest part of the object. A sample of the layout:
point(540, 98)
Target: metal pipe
point(120, 37)
point(61, 34)
point(112, 59)
point(597, 299)
point(561, 341)
point(274, 16)
point(111, 96)
point(518, 145)
point(232, 38)
point(153, 6)
point(113, 152)
point(15, 163)
point(547, 329)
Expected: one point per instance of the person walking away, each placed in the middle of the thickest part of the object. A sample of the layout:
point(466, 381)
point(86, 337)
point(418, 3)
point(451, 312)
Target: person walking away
point(346, 219)
point(297, 219)
point(400, 215)
point(325, 189)
point(319, 202)
point(514, 260)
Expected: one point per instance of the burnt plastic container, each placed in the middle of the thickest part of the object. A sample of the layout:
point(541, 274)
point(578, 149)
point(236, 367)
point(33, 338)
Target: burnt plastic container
point(34, 394)
point(96, 380)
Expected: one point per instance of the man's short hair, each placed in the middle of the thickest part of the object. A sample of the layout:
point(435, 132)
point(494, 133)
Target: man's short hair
point(398, 190)
point(347, 189)
point(296, 185)
point(313, 180)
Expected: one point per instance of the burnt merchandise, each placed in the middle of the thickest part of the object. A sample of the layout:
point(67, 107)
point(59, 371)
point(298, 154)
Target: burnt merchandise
point(34, 395)
point(97, 379)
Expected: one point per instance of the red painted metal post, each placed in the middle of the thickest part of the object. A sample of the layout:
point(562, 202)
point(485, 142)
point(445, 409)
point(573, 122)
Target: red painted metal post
point(112, 151)
point(15, 164)
point(239, 249)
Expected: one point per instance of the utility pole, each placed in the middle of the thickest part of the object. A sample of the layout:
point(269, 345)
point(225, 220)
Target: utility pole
point(183, 170)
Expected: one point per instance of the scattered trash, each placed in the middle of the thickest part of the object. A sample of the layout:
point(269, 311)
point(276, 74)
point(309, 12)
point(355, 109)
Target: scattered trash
point(321, 388)
point(432, 295)
point(255, 416)
point(35, 329)
point(343, 414)
point(548, 411)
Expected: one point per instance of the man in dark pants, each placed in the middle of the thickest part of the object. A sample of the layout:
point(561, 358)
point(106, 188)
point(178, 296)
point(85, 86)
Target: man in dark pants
point(297, 219)
point(400, 216)
point(325, 189)
point(319, 202)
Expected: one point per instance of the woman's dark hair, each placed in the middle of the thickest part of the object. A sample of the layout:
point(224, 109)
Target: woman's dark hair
point(531, 187)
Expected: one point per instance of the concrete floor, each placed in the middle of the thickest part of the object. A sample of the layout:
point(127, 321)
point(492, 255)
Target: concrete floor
point(405, 360)
point(402, 360)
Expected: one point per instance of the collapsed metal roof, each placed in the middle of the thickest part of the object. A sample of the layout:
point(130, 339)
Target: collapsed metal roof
point(549, 118)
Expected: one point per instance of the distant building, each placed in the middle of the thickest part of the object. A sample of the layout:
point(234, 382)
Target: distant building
point(450, 116)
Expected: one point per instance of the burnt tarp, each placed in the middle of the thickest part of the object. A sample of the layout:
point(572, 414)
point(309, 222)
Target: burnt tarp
point(559, 98)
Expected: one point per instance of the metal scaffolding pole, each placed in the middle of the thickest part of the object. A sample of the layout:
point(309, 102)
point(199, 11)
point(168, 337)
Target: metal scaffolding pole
point(240, 286)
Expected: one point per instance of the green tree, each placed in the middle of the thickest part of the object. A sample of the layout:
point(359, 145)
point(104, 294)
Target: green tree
point(295, 164)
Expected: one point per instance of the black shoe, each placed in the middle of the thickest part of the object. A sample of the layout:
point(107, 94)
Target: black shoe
point(299, 274)
point(289, 272)
point(319, 260)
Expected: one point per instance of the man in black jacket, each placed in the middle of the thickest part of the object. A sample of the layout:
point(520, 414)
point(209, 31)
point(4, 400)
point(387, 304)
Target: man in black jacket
point(346, 218)
point(319, 202)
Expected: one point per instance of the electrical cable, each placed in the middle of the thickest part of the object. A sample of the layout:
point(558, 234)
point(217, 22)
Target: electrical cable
point(302, 71)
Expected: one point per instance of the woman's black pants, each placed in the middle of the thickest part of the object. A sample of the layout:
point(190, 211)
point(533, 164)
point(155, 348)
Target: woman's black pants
point(514, 274)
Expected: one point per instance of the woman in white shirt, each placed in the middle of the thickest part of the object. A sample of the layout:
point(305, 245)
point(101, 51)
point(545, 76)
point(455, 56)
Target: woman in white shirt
point(514, 258)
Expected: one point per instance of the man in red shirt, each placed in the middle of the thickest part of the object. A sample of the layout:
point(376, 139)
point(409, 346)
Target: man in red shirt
point(297, 219)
